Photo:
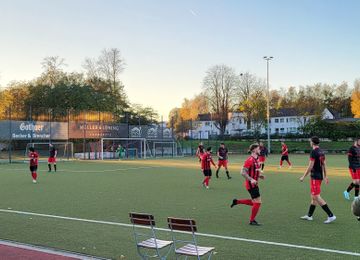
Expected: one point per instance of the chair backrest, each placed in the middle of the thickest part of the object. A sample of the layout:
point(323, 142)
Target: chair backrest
point(142, 219)
point(182, 224)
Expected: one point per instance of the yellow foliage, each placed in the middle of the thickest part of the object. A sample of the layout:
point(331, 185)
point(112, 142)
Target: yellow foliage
point(355, 103)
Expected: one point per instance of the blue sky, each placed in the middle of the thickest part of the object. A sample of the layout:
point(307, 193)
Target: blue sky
point(168, 45)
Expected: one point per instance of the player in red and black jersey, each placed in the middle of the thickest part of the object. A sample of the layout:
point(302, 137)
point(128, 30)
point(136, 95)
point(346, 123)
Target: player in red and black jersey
point(354, 169)
point(200, 151)
point(284, 155)
point(33, 160)
point(262, 156)
point(317, 167)
point(223, 160)
point(251, 173)
point(52, 157)
point(206, 161)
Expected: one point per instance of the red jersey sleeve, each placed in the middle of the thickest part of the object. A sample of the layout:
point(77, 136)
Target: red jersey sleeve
point(248, 163)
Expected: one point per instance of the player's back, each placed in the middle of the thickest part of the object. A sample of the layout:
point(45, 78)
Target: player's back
point(34, 156)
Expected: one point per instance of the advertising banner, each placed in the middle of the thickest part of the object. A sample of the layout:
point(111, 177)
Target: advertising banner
point(97, 130)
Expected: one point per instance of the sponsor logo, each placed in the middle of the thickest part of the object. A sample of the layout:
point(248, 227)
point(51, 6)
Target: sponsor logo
point(31, 127)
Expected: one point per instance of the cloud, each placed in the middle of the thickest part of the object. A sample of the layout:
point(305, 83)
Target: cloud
point(193, 13)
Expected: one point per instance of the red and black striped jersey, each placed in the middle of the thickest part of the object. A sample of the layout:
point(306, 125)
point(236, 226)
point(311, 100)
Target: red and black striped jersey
point(253, 166)
point(318, 156)
point(33, 156)
point(284, 150)
point(206, 161)
point(354, 157)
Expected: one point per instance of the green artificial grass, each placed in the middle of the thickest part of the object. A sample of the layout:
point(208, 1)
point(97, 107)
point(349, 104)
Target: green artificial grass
point(108, 191)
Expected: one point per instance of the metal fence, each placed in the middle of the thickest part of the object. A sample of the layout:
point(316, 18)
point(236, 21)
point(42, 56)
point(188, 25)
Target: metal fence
point(83, 129)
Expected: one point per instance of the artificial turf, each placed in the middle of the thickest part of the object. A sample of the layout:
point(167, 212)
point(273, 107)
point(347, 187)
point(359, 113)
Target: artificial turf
point(108, 191)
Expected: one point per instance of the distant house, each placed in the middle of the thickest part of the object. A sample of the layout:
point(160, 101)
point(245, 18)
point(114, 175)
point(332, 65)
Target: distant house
point(205, 126)
point(282, 121)
point(288, 120)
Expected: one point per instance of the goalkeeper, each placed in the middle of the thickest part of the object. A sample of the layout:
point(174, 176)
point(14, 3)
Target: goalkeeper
point(120, 151)
point(223, 160)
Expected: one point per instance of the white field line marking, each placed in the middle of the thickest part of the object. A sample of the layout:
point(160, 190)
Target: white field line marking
point(199, 234)
point(48, 250)
point(112, 170)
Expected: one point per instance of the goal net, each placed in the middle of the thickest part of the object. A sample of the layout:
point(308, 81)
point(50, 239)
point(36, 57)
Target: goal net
point(124, 148)
point(164, 149)
point(65, 150)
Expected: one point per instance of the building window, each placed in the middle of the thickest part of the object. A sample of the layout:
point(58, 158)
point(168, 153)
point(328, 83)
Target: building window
point(287, 120)
point(276, 130)
point(207, 123)
point(292, 120)
point(276, 120)
point(281, 120)
point(282, 130)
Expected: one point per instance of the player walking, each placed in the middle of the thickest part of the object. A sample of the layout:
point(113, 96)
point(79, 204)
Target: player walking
point(354, 168)
point(33, 156)
point(263, 154)
point(284, 155)
point(52, 157)
point(223, 160)
point(317, 167)
point(251, 173)
point(206, 161)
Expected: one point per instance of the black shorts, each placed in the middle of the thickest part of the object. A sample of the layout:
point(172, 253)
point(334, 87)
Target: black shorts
point(33, 168)
point(207, 173)
point(254, 192)
point(285, 158)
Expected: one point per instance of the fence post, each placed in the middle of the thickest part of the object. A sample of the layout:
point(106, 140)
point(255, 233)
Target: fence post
point(10, 136)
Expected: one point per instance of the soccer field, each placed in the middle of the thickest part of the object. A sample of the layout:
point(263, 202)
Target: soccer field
point(108, 191)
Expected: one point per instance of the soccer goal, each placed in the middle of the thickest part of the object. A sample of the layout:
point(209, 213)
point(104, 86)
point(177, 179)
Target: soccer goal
point(124, 148)
point(65, 150)
point(164, 149)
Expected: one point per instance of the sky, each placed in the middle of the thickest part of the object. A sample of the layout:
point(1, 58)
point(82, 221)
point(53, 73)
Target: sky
point(168, 45)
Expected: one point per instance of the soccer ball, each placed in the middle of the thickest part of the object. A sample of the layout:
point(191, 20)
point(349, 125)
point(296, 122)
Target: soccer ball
point(355, 207)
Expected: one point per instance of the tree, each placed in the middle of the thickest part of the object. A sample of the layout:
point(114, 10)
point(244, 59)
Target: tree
point(15, 97)
point(355, 99)
point(219, 85)
point(251, 100)
point(111, 64)
point(53, 70)
point(143, 115)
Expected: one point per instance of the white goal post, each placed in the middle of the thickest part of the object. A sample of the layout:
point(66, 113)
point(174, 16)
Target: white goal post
point(165, 148)
point(65, 150)
point(132, 148)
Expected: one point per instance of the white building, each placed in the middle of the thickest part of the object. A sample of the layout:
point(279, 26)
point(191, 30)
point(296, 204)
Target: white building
point(282, 121)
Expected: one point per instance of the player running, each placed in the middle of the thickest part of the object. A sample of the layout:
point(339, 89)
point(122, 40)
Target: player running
point(52, 157)
point(354, 169)
point(263, 154)
point(284, 155)
point(223, 160)
point(251, 173)
point(33, 156)
point(317, 167)
point(206, 161)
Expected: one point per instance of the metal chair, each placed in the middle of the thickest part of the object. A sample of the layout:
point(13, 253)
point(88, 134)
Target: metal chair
point(187, 248)
point(147, 245)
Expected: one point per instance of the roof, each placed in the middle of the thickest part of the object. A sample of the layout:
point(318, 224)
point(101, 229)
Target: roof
point(204, 117)
point(334, 113)
point(290, 112)
point(344, 119)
